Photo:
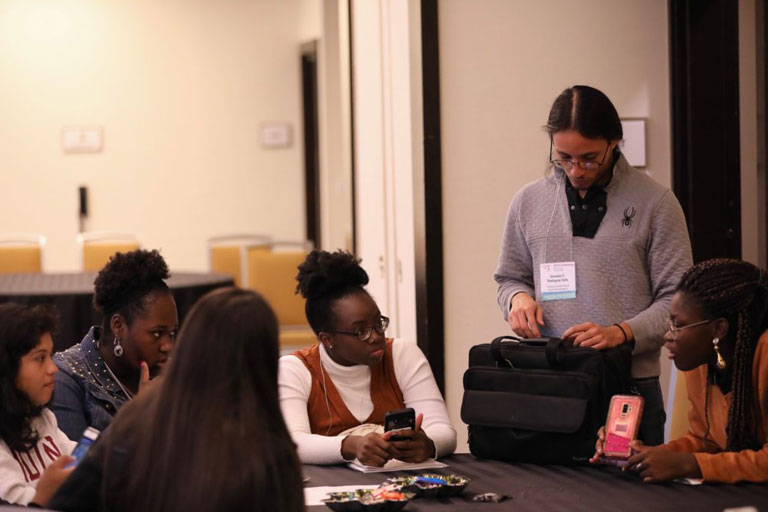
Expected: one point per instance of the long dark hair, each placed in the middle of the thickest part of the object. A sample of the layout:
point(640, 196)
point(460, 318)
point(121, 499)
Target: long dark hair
point(21, 327)
point(586, 110)
point(325, 277)
point(211, 435)
point(737, 291)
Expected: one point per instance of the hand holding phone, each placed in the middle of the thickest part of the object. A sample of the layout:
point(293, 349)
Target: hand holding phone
point(412, 444)
point(621, 427)
point(89, 437)
point(402, 419)
point(51, 479)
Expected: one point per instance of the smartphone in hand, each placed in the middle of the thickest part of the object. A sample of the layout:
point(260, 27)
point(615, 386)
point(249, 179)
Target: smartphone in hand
point(89, 437)
point(402, 419)
point(622, 424)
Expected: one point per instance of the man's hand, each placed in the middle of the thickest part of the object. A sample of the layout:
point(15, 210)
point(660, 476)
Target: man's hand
point(525, 316)
point(659, 464)
point(590, 334)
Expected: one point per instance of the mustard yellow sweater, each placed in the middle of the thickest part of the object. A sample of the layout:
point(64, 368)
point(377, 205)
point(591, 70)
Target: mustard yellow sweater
point(716, 464)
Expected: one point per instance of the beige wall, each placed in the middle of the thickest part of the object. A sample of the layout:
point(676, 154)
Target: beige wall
point(335, 125)
point(502, 64)
point(180, 88)
point(751, 133)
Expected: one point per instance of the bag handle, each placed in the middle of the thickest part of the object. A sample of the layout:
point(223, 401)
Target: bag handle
point(496, 350)
point(554, 349)
point(554, 352)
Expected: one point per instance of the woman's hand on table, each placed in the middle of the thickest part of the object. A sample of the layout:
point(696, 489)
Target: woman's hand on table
point(525, 316)
point(415, 445)
point(372, 449)
point(659, 464)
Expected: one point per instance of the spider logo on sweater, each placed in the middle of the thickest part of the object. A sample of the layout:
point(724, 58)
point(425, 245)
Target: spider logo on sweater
point(629, 213)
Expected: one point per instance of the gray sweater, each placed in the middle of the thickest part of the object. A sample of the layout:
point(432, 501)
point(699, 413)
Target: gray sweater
point(626, 273)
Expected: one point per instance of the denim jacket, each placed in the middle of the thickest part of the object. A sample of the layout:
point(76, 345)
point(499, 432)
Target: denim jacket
point(86, 394)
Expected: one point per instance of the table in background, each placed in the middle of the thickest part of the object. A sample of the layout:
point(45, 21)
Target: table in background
point(72, 294)
point(555, 488)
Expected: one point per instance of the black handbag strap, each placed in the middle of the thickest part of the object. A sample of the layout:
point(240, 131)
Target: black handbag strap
point(496, 350)
point(553, 351)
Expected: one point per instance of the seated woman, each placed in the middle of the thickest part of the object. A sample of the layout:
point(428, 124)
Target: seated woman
point(718, 336)
point(107, 367)
point(209, 436)
point(33, 451)
point(332, 392)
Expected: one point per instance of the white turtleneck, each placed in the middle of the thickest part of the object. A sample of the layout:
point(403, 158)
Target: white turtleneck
point(413, 374)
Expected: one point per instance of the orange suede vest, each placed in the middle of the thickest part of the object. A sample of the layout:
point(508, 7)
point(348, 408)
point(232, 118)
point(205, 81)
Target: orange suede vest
point(385, 394)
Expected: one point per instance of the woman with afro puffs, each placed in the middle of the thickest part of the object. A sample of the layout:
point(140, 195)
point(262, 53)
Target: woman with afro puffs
point(335, 394)
point(107, 368)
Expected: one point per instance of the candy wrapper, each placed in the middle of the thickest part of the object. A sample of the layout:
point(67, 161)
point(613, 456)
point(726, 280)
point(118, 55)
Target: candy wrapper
point(491, 497)
point(381, 499)
point(429, 485)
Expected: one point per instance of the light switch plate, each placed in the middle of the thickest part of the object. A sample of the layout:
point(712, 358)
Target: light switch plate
point(82, 139)
point(276, 135)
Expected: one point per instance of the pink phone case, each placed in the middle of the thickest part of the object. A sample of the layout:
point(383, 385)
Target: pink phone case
point(624, 415)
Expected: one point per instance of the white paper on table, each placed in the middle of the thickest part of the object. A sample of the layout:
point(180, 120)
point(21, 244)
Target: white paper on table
point(314, 495)
point(397, 465)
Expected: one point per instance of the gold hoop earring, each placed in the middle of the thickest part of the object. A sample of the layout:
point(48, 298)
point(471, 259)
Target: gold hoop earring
point(720, 361)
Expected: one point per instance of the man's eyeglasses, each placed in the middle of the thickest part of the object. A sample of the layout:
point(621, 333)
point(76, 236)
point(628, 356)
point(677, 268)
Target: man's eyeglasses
point(364, 333)
point(567, 165)
point(674, 329)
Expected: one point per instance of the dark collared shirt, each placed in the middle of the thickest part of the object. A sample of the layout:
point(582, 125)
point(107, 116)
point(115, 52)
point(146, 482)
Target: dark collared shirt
point(586, 213)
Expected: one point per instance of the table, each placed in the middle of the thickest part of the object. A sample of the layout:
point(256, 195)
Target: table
point(556, 488)
point(72, 295)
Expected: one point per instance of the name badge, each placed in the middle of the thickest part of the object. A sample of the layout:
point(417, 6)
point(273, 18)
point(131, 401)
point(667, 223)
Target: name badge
point(558, 280)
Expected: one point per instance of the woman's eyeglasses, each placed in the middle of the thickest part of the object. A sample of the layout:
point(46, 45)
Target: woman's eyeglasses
point(674, 329)
point(364, 333)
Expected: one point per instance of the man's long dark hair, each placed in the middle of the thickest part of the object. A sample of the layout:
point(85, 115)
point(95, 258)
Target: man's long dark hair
point(21, 327)
point(210, 435)
point(586, 110)
point(738, 291)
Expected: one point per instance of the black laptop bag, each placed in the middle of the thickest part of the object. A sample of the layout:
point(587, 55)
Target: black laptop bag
point(540, 400)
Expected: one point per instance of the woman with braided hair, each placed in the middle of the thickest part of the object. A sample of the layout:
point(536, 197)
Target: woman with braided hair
point(718, 335)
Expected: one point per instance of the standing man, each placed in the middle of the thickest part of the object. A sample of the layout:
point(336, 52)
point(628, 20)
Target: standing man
point(593, 251)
